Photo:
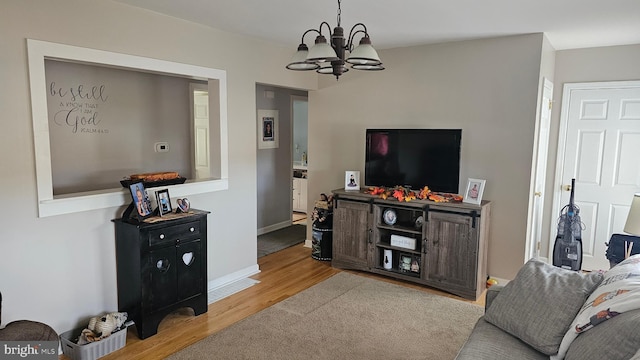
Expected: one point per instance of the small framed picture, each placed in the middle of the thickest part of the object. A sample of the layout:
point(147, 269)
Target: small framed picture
point(404, 262)
point(475, 188)
point(164, 201)
point(268, 129)
point(415, 264)
point(183, 205)
point(352, 180)
point(141, 202)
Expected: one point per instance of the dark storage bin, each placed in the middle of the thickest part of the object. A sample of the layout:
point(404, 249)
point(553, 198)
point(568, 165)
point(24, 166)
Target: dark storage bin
point(322, 242)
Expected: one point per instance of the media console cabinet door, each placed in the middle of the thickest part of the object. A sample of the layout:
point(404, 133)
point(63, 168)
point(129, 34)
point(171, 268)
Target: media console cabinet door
point(351, 234)
point(452, 249)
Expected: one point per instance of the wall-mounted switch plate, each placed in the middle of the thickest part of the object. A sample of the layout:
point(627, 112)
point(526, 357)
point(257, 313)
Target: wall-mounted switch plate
point(162, 146)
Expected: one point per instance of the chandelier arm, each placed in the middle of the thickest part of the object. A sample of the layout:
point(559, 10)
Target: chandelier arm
point(352, 35)
point(328, 27)
point(305, 34)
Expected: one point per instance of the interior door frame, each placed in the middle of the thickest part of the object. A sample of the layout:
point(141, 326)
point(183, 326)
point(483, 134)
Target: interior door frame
point(562, 139)
point(532, 246)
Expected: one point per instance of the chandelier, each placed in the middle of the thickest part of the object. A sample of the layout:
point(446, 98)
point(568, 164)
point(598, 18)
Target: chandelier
point(330, 58)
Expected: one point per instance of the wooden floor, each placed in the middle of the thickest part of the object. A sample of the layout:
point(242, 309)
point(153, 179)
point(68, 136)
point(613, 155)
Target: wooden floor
point(283, 274)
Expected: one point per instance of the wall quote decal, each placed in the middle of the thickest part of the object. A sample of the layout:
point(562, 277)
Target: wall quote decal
point(78, 107)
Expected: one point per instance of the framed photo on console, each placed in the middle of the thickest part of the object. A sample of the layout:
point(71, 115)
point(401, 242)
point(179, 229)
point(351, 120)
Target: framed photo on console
point(141, 202)
point(164, 201)
point(352, 180)
point(475, 189)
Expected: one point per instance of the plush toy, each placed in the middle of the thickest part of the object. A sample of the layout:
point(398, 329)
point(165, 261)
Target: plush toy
point(101, 327)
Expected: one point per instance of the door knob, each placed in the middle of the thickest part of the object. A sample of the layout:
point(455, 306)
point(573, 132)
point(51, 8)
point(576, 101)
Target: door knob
point(537, 193)
point(566, 187)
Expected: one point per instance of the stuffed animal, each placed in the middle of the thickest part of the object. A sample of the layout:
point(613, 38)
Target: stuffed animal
point(101, 327)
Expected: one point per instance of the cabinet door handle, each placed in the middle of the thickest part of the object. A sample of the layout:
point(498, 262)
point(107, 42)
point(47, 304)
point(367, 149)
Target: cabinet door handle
point(192, 229)
point(369, 237)
point(424, 245)
point(161, 236)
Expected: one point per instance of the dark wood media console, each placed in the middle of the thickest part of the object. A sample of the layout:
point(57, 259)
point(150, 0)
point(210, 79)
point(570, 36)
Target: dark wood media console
point(442, 245)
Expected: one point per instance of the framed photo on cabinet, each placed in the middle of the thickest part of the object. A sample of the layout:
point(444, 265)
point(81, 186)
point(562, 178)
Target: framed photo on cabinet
point(141, 202)
point(475, 189)
point(164, 202)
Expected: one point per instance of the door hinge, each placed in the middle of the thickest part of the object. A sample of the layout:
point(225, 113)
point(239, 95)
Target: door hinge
point(538, 246)
point(550, 104)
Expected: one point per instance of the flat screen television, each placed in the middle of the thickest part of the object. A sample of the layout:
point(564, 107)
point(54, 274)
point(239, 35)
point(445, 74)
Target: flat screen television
point(414, 157)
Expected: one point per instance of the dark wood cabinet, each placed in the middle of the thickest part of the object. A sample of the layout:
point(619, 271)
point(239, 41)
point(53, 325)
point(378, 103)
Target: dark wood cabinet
point(442, 245)
point(161, 266)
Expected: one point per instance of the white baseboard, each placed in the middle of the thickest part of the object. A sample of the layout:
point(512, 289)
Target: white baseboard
point(233, 277)
point(274, 227)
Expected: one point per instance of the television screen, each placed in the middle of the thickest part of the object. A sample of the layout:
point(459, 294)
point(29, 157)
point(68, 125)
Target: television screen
point(414, 157)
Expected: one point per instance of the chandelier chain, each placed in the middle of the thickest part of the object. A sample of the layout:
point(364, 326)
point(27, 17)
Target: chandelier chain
point(339, 12)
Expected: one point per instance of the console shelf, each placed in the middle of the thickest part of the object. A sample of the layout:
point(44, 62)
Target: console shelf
point(441, 245)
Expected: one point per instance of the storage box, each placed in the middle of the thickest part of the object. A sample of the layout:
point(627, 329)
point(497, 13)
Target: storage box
point(93, 350)
point(403, 242)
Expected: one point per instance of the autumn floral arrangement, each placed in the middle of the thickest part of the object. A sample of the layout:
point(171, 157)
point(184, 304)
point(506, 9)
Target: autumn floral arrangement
point(402, 193)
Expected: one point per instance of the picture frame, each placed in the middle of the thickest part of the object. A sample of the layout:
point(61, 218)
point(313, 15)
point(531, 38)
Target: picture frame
point(268, 137)
point(141, 203)
point(183, 205)
point(474, 191)
point(404, 262)
point(415, 264)
point(352, 180)
point(164, 202)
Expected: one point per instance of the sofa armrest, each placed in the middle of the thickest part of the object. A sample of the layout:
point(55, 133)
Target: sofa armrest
point(492, 292)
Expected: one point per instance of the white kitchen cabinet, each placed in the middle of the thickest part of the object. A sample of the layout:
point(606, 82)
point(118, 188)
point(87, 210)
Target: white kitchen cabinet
point(300, 195)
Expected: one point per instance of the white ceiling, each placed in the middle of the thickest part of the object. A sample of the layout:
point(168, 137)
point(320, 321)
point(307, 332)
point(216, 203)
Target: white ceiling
point(568, 24)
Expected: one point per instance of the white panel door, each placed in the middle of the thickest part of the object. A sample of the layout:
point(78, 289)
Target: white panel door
point(201, 134)
point(539, 177)
point(601, 123)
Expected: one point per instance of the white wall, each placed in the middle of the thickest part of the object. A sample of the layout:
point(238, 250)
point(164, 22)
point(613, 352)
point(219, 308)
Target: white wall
point(488, 88)
point(67, 262)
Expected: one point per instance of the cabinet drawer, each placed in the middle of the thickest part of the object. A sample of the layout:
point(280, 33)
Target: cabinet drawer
point(172, 234)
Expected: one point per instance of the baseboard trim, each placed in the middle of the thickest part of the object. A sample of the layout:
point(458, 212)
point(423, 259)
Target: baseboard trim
point(274, 227)
point(233, 277)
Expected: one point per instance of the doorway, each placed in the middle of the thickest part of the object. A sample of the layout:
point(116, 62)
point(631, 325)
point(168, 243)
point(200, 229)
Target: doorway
point(598, 145)
point(274, 165)
point(300, 115)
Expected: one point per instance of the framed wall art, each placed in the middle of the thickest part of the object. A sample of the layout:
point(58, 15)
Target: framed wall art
point(475, 189)
point(268, 129)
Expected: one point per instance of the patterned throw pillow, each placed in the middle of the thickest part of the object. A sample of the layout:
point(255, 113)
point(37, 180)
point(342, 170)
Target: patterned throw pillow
point(618, 292)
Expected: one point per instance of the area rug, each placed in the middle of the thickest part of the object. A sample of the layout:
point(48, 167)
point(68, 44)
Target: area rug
point(281, 239)
point(346, 317)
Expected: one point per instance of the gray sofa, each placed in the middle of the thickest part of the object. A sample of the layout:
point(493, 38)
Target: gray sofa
point(529, 317)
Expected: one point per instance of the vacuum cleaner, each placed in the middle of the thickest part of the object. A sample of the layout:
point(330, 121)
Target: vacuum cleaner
point(567, 250)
